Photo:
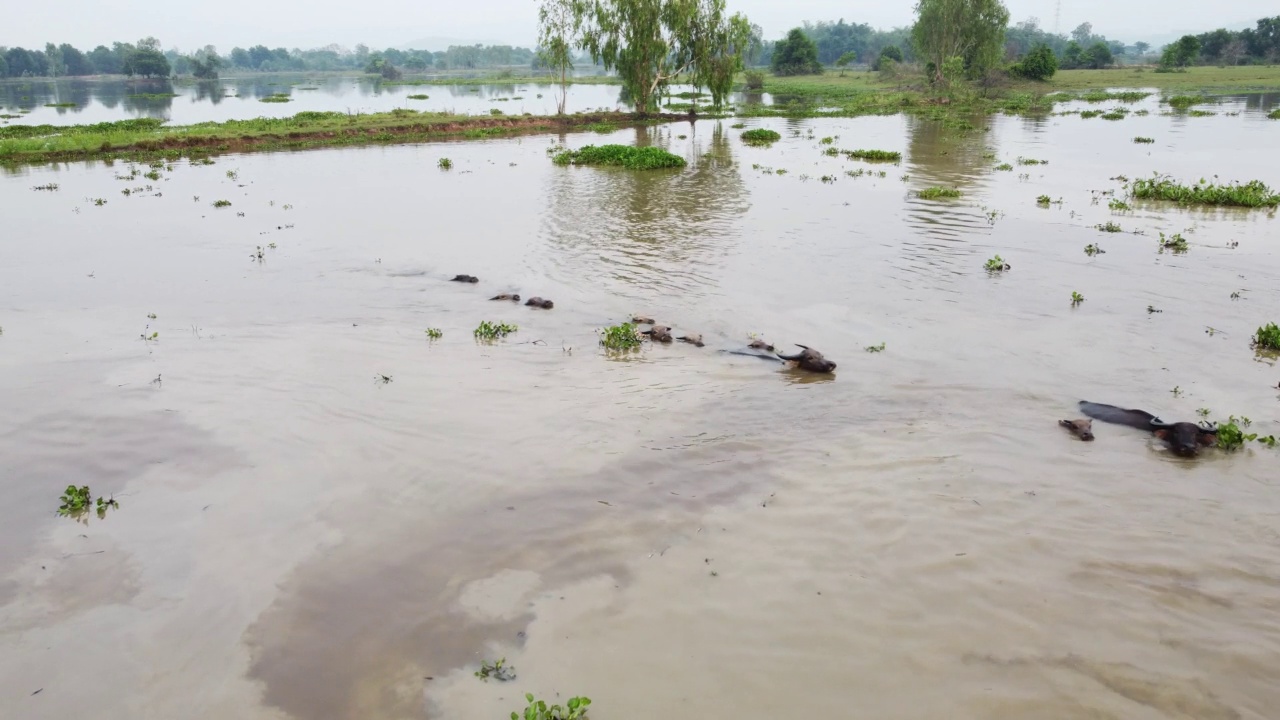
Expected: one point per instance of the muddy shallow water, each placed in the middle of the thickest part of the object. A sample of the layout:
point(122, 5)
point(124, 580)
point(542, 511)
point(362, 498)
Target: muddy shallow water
point(697, 534)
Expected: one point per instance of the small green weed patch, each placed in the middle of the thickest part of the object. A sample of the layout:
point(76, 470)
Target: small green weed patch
point(1267, 338)
point(1144, 140)
point(938, 193)
point(1110, 227)
point(620, 337)
point(538, 710)
point(493, 331)
point(632, 158)
point(1252, 194)
point(1174, 243)
point(874, 155)
point(760, 136)
point(997, 264)
point(276, 98)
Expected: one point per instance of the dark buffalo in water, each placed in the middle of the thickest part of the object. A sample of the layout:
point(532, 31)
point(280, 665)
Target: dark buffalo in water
point(758, 344)
point(659, 333)
point(810, 360)
point(541, 303)
point(506, 296)
point(1183, 438)
point(694, 339)
point(465, 278)
point(1082, 429)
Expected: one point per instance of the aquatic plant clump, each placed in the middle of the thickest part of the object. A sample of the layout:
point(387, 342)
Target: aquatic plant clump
point(938, 193)
point(632, 158)
point(1274, 114)
point(1267, 338)
point(1144, 140)
point(276, 98)
point(620, 337)
point(492, 331)
point(874, 155)
point(760, 136)
point(1252, 194)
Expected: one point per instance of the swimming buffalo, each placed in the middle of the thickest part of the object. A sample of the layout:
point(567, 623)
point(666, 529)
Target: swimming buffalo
point(810, 360)
point(692, 338)
point(758, 344)
point(643, 320)
point(1082, 429)
point(541, 303)
point(659, 333)
point(506, 296)
point(1183, 438)
point(465, 278)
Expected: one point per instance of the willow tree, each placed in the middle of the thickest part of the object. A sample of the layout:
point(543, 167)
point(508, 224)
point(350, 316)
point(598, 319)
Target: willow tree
point(651, 42)
point(968, 29)
point(559, 29)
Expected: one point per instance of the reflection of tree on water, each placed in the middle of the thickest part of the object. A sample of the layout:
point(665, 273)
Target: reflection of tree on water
point(210, 90)
point(656, 228)
point(947, 154)
point(149, 97)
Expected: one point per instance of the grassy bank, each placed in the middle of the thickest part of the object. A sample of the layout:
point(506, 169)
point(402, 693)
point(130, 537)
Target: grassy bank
point(146, 139)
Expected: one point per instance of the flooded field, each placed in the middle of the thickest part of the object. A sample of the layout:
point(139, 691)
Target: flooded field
point(94, 101)
point(324, 513)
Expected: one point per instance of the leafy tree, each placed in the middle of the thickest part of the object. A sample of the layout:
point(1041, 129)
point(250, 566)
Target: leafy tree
point(75, 61)
point(26, 63)
point(146, 62)
point(258, 54)
point(240, 58)
point(1181, 53)
point(204, 65)
point(1083, 33)
point(1141, 48)
point(1098, 56)
point(844, 60)
point(1073, 56)
point(4, 66)
point(1039, 64)
point(105, 61)
point(55, 67)
point(969, 29)
point(650, 42)
point(889, 52)
point(559, 31)
point(796, 55)
point(379, 65)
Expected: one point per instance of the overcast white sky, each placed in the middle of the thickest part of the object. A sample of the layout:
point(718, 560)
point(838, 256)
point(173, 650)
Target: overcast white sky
point(188, 24)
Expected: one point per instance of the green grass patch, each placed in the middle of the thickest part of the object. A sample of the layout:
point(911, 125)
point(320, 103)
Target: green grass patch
point(418, 96)
point(276, 98)
point(493, 331)
point(938, 193)
point(1267, 338)
point(1185, 101)
point(632, 158)
point(60, 105)
point(1095, 96)
point(1110, 227)
point(1175, 243)
point(874, 155)
point(620, 337)
point(760, 136)
point(1252, 194)
point(1031, 161)
point(1274, 114)
point(1144, 140)
point(1088, 114)
point(1004, 167)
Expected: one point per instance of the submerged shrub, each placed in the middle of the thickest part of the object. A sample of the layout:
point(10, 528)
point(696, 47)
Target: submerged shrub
point(755, 79)
point(760, 136)
point(1274, 114)
point(492, 331)
point(1252, 194)
point(1039, 64)
point(632, 158)
point(936, 193)
point(1185, 101)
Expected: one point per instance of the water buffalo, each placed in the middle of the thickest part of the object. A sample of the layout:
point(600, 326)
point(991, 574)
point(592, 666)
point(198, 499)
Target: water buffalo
point(1183, 438)
point(643, 320)
point(692, 338)
point(539, 302)
point(465, 278)
point(1082, 429)
point(758, 344)
point(506, 296)
point(659, 333)
point(810, 360)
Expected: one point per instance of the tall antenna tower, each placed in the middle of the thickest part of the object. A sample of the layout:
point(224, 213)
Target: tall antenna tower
point(1057, 16)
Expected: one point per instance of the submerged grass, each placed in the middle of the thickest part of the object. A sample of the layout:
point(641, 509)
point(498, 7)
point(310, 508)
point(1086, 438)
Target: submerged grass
point(874, 155)
point(1267, 338)
point(632, 158)
point(760, 136)
point(276, 98)
point(938, 193)
point(150, 138)
point(620, 337)
point(1252, 194)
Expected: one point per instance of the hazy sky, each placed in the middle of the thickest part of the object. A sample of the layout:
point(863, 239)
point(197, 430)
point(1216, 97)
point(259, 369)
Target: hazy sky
point(380, 23)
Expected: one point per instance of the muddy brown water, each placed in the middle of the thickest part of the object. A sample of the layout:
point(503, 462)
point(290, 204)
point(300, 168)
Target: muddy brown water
point(679, 530)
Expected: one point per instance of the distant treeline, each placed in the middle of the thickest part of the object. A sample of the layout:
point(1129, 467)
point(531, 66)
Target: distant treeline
point(1080, 48)
point(145, 58)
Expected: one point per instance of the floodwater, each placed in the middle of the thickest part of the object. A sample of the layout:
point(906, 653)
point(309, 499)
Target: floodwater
point(98, 100)
point(323, 514)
